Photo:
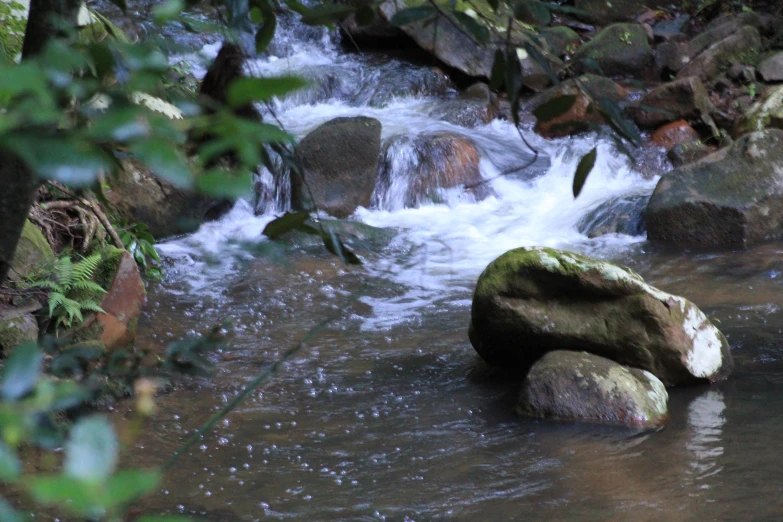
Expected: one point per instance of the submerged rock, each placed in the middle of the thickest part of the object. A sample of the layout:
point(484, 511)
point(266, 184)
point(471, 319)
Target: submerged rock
point(531, 301)
point(340, 163)
point(731, 197)
point(419, 169)
point(578, 386)
point(621, 215)
point(619, 50)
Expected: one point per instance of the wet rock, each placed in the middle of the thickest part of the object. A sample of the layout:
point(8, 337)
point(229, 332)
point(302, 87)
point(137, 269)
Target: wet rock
point(32, 253)
point(421, 169)
point(561, 40)
point(669, 59)
point(469, 113)
point(741, 73)
point(16, 327)
point(581, 117)
point(731, 197)
point(454, 49)
point(531, 301)
point(771, 68)
point(136, 195)
point(619, 50)
point(340, 163)
point(601, 12)
point(741, 46)
point(682, 99)
point(673, 134)
point(766, 113)
point(621, 215)
point(684, 153)
point(533, 12)
point(359, 236)
point(578, 386)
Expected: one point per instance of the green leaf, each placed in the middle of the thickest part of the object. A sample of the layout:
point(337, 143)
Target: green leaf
point(365, 16)
point(70, 161)
point(266, 32)
point(617, 120)
point(554, 108)
point(222, 184)
point(413, 15)
point(167, 10)
point(164, 160)
point(164, 518)
point(538, 57)
point(78, 496)
point(475, 28)
point(247, 90)
point(586, 165)
point(288, 222)
point(21, 371)
point(10, 466)
point(92, 450)
point(8, 513)
point(120, 125)
point(327, 13)
point(128, 485)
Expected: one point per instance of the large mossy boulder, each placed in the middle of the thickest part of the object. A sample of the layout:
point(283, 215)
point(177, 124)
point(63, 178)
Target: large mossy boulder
point(32, 254)
point(420, 169)
point(340, 165)
point(16, 327)
point(731, 197)
point(582, 116)
point(741, 46)
point(620, 50)
point(531, 301)
point(682, 99)
point(578, 386)
point(135, 195)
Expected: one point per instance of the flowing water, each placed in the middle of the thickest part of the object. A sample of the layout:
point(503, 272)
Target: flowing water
point(387, 413)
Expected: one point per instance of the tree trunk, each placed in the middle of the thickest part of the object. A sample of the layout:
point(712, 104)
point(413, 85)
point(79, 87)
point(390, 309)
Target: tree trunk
point(47, 19)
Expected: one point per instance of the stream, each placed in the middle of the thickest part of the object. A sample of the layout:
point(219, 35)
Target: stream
point(388, 413)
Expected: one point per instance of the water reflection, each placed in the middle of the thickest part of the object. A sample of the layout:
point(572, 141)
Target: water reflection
point(705, 427)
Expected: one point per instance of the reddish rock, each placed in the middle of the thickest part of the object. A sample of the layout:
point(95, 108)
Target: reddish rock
point(673, 134)
point(123, 303)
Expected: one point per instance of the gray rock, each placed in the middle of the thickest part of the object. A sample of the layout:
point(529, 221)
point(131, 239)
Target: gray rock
point(619, 50)
point(32, 254)
point(766, 113)
point(340, 163)
point(531, 301)
point(578, 386)
point(771, 69)
point(684, 153)
point(682, 99)
point(741, 46)
point(721, 28)
point(605, 12)
point(670, 58)
point(667, 30)
point(731, 197)
point(561, 40)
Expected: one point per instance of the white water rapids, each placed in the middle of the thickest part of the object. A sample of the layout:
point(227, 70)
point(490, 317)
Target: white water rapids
point(452, 241)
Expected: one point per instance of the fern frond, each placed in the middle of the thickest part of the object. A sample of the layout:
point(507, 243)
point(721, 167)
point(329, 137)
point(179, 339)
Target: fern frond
point(56, 299)
point(84, 269)
point(92, 306)
point(63, 270)
point(72, 309)
point(44, 283)
point(91, 286)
